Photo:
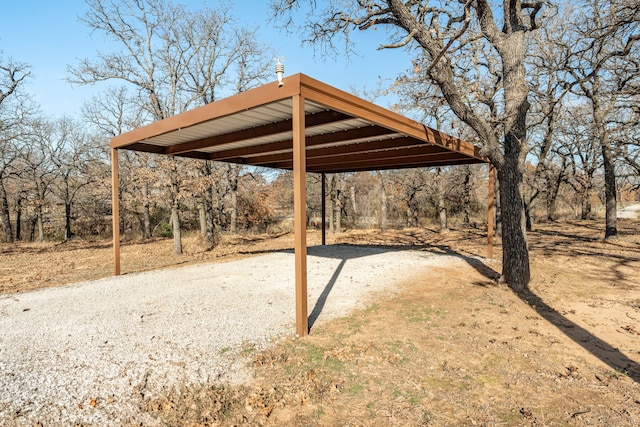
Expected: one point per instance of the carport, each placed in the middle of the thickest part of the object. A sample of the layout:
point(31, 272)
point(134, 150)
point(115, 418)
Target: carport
point(302, 125)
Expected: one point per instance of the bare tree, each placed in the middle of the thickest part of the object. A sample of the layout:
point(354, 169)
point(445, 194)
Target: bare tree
point(176, 59)
point(15, 110)
point(442, 31)
point(579, 151)
point(39, 171)
point(114, 112)
point(75, 155)
point(600, 63)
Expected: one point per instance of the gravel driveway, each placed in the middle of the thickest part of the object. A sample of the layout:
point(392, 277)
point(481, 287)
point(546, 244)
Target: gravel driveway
point(632, 211)
point(86, 353)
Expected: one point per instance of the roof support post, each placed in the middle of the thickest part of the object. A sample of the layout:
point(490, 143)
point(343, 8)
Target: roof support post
point(491, 211)
point(323, 191)
point(115, 210)
point(300, 214)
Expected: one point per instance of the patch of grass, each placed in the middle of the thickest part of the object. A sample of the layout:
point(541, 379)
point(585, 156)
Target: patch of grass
point(248, 349)
point(418, 313)
point(438, 383)
point(355, 388)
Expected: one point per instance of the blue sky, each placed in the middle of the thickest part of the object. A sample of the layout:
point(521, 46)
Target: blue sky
point(48, 36)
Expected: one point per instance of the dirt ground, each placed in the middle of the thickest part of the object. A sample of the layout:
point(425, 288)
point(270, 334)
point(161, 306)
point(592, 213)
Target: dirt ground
point(453, 347)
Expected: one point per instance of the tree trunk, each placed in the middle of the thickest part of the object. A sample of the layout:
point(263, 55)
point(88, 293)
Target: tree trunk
point(19, 218)
point(442, 209)
point(354, 207)
point(611, 219)
point(146, 213)
point(232, 173)
point(175, 227)
point(202, 215)
point(338, 212)
point(67, 221)
point(498, 206)
point(332, 206)
point(527, 216)
point(515, 253)
point(552, 196)
point(586, 204)
point(467, 195)
point(412, 211)
point(5, 219)
point(175, 210)
point(233, 215)
point(40, 222)
point(209, 226)
point(383, 203)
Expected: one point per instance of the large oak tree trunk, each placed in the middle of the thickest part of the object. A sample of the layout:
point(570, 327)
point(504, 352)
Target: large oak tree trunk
point(515, 253)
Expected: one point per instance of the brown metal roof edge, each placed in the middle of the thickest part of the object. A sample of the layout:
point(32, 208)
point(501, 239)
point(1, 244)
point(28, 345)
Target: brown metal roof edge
point(311, 89)
point(347, 103)
point(265, 94)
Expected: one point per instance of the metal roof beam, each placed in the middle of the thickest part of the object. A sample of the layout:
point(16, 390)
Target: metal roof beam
point(311, 141)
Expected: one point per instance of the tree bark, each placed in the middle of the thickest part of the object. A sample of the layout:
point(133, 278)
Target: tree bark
point(586, 204)
point(40, 222)
point(611, 219)
point(383, 203)
point(354, 206)
point(146, 213)
point(175, 227)
point(202, 216)
point(67, 221)
point(332, 206)
point(442, 209)
point(175, 210)
point(467, 195)
point(19, 218)
point(5, 219)
point(527, 217)
point(552, 195)
point(515, 253)
point(232, 175)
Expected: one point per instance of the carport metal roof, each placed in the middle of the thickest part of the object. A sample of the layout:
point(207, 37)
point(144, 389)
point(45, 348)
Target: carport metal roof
point(303, 125)
point(342, 132)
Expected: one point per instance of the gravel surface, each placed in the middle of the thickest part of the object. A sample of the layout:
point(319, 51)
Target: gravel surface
point(88, 353)
point(632, 212)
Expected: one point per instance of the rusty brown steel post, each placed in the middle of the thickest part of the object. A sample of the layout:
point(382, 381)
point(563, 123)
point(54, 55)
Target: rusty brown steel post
point(115, 210)
point(299, 214)
point(324, 208)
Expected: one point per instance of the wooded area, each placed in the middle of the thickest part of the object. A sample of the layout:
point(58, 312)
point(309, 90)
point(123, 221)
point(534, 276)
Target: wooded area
point(551, 94)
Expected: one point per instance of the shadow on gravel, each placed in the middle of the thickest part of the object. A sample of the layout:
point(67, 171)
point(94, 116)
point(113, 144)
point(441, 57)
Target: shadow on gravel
point(343, 253)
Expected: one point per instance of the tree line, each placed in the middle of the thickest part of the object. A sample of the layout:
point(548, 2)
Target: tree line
point(549, 90)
